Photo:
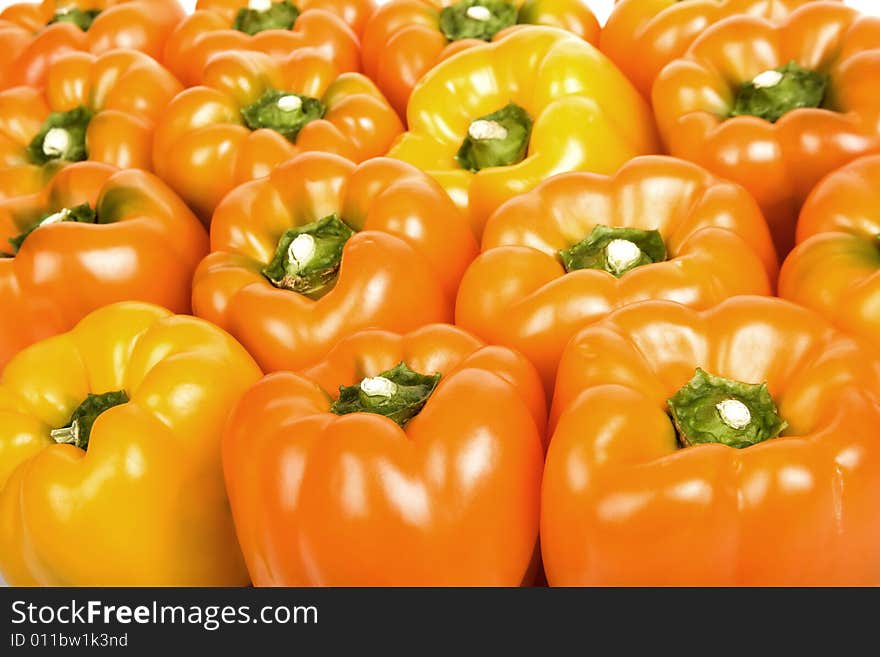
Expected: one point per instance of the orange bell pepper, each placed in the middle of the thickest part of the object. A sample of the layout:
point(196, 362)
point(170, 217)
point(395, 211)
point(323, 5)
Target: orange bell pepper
point(99, 108)
point(499, 118)
point(323, 27)
point(14, 39)
point(775, 108)
point(404, 39)
point(95, 235)
point(233, 128)
point(53, 28)
point(110, 440)
point(397, 460)
point(322, 248)
point(643, 36)
point(580, 245)
point(780, 481)
point(835, 269)
point(266, 15)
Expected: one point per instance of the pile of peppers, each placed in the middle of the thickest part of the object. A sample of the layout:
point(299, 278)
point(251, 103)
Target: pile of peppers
point(439, 293)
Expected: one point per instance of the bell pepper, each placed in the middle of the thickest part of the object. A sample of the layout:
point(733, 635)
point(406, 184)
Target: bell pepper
point(95, 235)
point(775, 108)
point(580, 245)
point(404, 39)
point(322, 248)
point(14, 39)
point(643, 36)
point(497, 119)
point(278, 28)
point(254, 113)
point(99, 108)
point(735, 446)
point(95, 26)
point(110, 471)
point(256, 16)
point(442, 490)
point(834, 268)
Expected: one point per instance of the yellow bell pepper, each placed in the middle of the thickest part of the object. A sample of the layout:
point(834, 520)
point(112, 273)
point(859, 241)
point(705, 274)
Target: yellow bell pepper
point(495, 120)
point(138, 497)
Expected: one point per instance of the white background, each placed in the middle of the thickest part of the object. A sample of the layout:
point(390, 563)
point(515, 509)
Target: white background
point(600, 7)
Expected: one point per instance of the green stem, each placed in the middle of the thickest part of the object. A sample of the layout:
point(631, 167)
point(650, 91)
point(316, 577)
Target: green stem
point(476, 19)
point(615, 250)
point(78, 429)
point(61, 137)
point(265, 15)
point(284, 112)
point(83, 214)
point(776, 92)
point(307, 258)
point(82, 18)
point(496, 140)
point(712, 409)
point(398, 394)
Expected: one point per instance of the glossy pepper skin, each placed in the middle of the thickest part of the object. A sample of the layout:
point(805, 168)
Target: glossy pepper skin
point(354, 13)
point(403, 39)
point(321, 28)
point(586, 115)
point(835, 269)
point(779, 163)
point(145, 247)
point(519, 292)
point(643, 36)
point(399, 270)
point(451, 498)
point(124, 90)
point(623, 505)
point(145, 504)
point(14, 39)
point(204, 147)
point(37, 36)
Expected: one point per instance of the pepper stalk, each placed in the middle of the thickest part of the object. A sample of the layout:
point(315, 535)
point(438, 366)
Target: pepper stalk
point(82, 213)
point(477, 19)
point(496, 140)
point(284, 112)
point(399, 394)
point(61, 137)
point(307, 258)
point(615, 250)
point(713, 409)
point(78, 429)
point(773, 93)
